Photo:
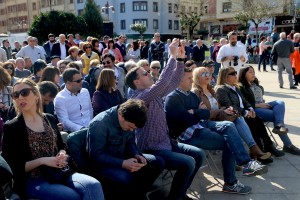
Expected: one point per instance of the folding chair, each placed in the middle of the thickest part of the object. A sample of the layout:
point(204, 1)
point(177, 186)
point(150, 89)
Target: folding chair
point(209, 159)
point(270, 132)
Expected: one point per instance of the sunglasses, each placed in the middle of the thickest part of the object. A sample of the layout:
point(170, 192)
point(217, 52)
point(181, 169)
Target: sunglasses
point(145, 73)
point(88, 47)
point(78, 81)
point(11, 68)
point(234, 73)
point(205, 74)
point(155, 67)
point(107, 62)
point(24, 92)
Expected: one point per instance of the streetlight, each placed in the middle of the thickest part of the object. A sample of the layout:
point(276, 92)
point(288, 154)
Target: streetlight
point(106, 9)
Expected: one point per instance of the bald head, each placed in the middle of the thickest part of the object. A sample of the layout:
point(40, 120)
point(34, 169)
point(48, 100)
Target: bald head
point(282, 35)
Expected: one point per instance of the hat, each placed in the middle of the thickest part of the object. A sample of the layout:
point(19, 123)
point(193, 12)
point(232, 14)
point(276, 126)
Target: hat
point(54, 56)
point(208, 63)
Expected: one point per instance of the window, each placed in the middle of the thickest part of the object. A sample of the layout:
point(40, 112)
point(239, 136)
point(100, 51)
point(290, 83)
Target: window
point(141, 21)
point(123, 24)
point(80, 12)
point(170, 7)
point(183, 9)
point(227, 7)
point(196, 10)
point(122, 7)
point(170, 24)
point(176, 25)
point(79, 1)
point(205, 9)
point(190, 9)
point(34, 6)
point(155, 7)
point(175, 8)
point(139, 6)
point(155, 24)
point(71, 1)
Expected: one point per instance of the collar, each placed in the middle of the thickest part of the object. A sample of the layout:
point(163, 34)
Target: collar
point(231, 87)
point(69, 92)
point(186, 93)
point(115, 119)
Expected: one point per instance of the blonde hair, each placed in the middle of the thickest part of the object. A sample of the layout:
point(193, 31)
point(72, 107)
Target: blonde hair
point(196, 72)
point(223, 74)
point(36, 92)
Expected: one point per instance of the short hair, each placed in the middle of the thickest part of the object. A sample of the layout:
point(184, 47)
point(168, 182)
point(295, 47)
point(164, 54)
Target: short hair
point(282, 35)
point(231, 33)
point(105, 37)
point(72, 49)
point(4, 77)
point(109, 55)
point(38, 65)
point(51, 35)
point(130, 77)
point(188, 69)
point(69, 73)
point(134, 111)
point(66, 62)
point(69, 35)
point(155, 63)
point(207, 63)
point(142, 62)
point(94, 62)
point(130, 64)
point(73, 65)
point(189, 63)
point(49, 74)
point(7, 64)
point(106, 80)
point(48, 87)
point(20, 59)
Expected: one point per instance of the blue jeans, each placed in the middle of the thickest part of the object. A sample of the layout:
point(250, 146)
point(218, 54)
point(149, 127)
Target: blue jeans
point(275, 114)
point(244, 131)
point(77, 187)
point(126, 183)
point(186, 160)
point(262, 60)
point(217, 68)
point(222, 136)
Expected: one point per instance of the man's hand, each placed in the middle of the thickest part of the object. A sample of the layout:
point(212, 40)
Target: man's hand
point(141, 159)
point(132, 165)
point(242, 58)
point(173, 47)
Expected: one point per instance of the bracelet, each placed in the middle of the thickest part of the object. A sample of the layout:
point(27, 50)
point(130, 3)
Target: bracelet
point(180, 59)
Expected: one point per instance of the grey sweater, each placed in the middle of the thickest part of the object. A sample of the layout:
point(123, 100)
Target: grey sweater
point(283, 48)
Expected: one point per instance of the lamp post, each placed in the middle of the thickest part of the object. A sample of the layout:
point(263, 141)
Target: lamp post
point(106, 9)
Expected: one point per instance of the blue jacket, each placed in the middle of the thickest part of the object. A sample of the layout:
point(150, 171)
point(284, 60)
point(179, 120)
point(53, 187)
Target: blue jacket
point(107, 144)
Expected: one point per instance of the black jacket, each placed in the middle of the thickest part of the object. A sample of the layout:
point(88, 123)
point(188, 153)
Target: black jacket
point(56, 49)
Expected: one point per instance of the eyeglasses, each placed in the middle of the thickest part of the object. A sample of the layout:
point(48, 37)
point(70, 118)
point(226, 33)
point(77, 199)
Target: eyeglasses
point(24, 92)
point(234, 73)
point(11, 68)
point(78, 81)
point(205, 74)
point(107, 63)
point(157, 36)
point(209, 66)
point(88, 47)
point(155, 67)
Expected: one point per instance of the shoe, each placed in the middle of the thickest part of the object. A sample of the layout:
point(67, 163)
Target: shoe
point(265, 161)
point(280, 130)
point(273, 69)
point(265, 71)
point(256, 153)
point(272, 149)
point(293, 87)
point(281, 86)
point(237, 188)
point(259, 70)
point(253, 168)
point(296, 84)
point(291, 149)
point(238, 168)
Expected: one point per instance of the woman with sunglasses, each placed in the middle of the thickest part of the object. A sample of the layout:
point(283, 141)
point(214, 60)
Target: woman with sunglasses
point(111, 48)
point(5, 90)
point(270, 112)
point(154, 70)
point(10, 68)
point(106, 94)
point(228, 94)
point(203, 89)
point(87, 57)
point(32, 141)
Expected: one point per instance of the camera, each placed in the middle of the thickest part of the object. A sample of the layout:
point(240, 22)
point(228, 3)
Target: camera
point(235, 60)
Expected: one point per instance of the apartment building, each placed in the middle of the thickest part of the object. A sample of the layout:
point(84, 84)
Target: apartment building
point(59, 5)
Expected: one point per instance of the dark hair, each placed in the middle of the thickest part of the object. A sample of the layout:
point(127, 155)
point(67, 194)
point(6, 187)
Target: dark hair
point(147, 42)
point(70, 35)
point(242, 76)
point(207, 63)
point(25, 42)
point(49, 74)
point(188, 69)
point(38, 65)
point(69, 73)
point(48, 87)
point(5, 78)
point(51, 35)
point(134, 111)
point(7, 64)
point(87, 45)
point(109, 55)
point(135, 45)
point(73, 65)
point(262, 38)
point(189, 63)
point(131, 76)
point(105, 37)
point(111, 41)
point(94, 41)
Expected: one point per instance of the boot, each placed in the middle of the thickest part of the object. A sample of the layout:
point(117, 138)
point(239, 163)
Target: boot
point(272, 149)
point(256, 153)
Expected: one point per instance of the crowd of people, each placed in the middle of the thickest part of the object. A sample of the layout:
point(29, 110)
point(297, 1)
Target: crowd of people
point(141, 108)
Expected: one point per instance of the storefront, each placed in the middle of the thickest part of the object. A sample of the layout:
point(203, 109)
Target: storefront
point(286, 24)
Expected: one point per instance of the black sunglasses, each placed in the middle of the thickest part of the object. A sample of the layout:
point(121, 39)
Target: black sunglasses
point(145, 73)
point(9, 68)
point(24, 92)
point(107, 62)
point(78, 81)
point(155, 67)
point(234, 73)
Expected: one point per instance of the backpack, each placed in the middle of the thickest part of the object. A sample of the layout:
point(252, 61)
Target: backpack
point(90, 78)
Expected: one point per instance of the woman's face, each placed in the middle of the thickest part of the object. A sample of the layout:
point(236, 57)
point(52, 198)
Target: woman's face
point(56, 79)
point(250, 75)
point(24, 97)
point(9, 69)
point(231, 77)
point(88, 49)
point(204, 77)
point(111, 45)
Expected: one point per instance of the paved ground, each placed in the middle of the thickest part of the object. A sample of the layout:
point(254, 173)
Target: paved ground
point(282, 182)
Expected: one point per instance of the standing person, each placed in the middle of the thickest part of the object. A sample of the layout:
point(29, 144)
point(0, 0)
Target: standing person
point(198, 52)
point(283, 48)
point(6, 46)
point(77, 39)
point(3, 57)
point(40, 146)
point(274, 36)
point(31, 51)
point(111, 48)
point(134, 53)
point(120, 44)
point(48, 46)
point(263, 53)
point(157, 49)
point(270, 44)
point(154, 137)
point(215, 54)
point(166, 52)
point(61, 47)
point(144, 50)
point(295, 59)
point(232, 54)
point(103, 44)
point(112, 150)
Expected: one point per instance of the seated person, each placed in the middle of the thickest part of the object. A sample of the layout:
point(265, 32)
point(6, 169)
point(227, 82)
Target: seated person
point(270, 112)
point(106, 95)
point(206, 94)
point(73, 104)
point(191, 125)
point(40, 146)
point(229, 95)
point(6, 177)
point(38, 67)
point(112, 150)
point(210, 66)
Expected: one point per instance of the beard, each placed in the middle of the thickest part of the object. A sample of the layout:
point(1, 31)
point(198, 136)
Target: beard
point(233, 43)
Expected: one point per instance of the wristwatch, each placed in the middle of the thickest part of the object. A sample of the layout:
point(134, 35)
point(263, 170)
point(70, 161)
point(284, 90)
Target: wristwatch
point(180, 59)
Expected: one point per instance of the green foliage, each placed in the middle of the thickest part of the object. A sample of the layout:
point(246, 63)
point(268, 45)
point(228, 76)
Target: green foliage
point(189, 21)
point(56, 22)
point(93, 18)
point(138, 27)
point(202, 32)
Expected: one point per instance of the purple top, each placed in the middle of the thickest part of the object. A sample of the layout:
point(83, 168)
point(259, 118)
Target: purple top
point(154, 135)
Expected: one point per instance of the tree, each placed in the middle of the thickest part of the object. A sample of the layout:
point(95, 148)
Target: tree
point(139, 27)
point(256, 11)
point(188, 22)
point(93, 18)
point(56, 22)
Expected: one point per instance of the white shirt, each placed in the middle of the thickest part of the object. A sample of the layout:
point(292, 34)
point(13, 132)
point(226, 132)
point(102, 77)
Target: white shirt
point(33, 53)
point(228, 50)
point(73, 111)
point(63, 51)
